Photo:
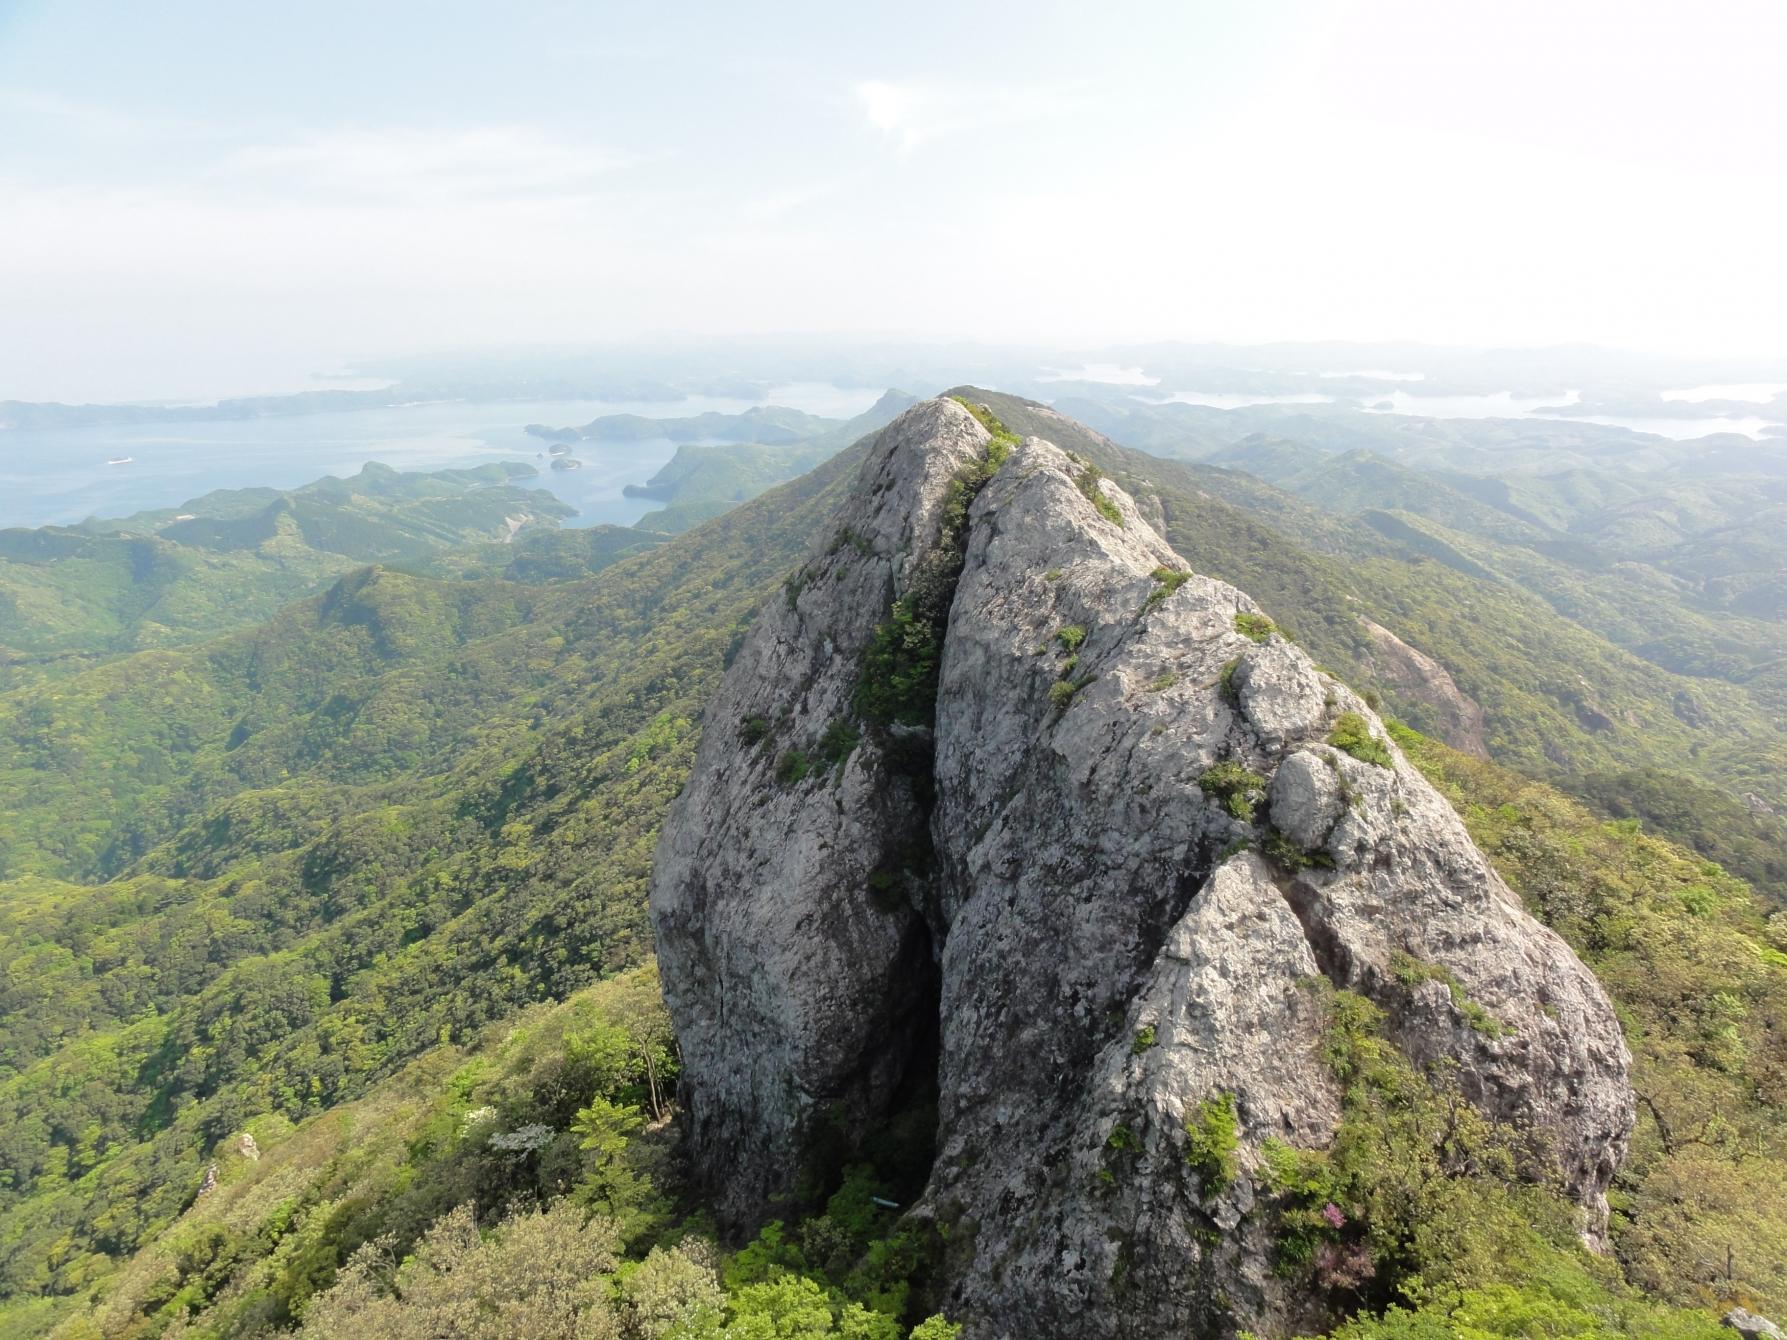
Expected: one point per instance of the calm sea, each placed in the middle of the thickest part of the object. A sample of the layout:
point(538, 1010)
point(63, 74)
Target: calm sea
point(59, 477)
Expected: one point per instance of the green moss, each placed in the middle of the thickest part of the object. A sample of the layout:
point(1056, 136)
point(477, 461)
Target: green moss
point(1213, 1143)
point(1352, 735)
point(1238, 789)
point(1255, 627)
point(1167, 581)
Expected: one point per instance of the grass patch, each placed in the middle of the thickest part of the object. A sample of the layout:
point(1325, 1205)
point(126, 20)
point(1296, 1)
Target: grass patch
point(1213, 1143)
point(1166, 581)
point(1282, 852)
point(1254, 627)
point(1226, 686)
point(1087, 483)
point(1164, 680)
point(1238, 789)
point(1352, 735)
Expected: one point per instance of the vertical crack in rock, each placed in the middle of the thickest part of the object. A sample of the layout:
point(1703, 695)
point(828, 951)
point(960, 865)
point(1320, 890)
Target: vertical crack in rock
point(1075, 897)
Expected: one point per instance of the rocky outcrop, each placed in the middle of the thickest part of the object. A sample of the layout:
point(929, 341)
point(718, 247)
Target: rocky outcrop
point(1751, 1326)
point(1047, 900)
point(1456, 716)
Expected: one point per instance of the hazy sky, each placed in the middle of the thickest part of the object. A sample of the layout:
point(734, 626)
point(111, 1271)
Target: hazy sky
point(206, 198)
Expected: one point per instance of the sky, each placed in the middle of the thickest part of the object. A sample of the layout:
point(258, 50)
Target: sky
point(199, 199)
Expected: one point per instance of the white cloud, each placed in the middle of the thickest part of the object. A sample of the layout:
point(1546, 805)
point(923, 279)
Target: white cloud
point(890, 110)
point(914, 114)
point(433, 164)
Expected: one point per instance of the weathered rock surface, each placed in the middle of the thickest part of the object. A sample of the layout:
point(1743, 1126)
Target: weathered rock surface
point(1457, 717)
point(1022, 894)
point(1751, 1326)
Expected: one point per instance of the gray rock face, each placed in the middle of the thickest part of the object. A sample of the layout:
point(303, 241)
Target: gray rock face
point(1457, 717)
point(795, 981)
point(1751, 1326)
point(1054, 911)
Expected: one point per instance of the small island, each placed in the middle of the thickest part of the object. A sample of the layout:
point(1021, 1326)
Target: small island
point(567, 463)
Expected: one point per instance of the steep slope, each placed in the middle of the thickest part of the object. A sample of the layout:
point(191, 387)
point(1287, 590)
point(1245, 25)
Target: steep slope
point(1102, 830)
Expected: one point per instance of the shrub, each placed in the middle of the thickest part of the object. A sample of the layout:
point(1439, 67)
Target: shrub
point(1071, 636)
point(752, 730)
point(1061, 692)
point(1254, 627)
point(1167, 581)
point(1213, 1142)
point(1226, 686)
point(1087, 483)
point(840, 739)
point(1144, 1039)
point(1238, 789)
point(1417, 1188)
point(847, 536)
point(1281, 851)
point(1352, 735)
point(792, 767)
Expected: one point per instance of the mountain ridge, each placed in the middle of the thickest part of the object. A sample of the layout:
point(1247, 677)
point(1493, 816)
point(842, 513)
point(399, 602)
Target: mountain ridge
point(1000, 776)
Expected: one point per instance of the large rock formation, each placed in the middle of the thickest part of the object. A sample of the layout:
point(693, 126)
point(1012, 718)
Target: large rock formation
point(1043, 900)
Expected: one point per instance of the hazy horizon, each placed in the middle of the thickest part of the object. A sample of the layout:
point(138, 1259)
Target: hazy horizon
point(198, 202)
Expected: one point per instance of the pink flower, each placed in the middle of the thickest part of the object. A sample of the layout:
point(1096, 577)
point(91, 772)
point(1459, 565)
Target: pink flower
point(1343, 1265)
point(1331, 1212)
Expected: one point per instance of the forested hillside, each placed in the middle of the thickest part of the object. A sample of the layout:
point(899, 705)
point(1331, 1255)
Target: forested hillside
point(233, 557)
point(398, 812)
point(365, 882)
